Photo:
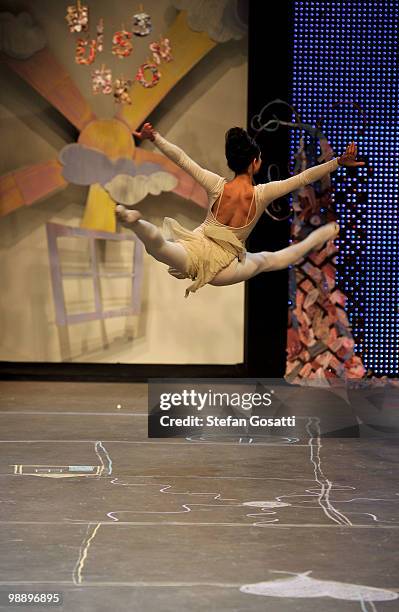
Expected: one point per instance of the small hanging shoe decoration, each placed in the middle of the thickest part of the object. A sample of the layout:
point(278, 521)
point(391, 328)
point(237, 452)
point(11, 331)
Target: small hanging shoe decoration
point(100, 35)
point(86, 51)
point(77, 18)
point(121, 45)
point(121, 91)
point(141, 25)
point(102, 80)
point(161, 51)
point(141, 77)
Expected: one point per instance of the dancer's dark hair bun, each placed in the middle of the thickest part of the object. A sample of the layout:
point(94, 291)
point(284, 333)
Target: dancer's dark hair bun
point(241, 149)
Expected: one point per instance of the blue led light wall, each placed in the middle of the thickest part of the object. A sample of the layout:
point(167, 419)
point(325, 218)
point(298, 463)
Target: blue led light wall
point(348, 51)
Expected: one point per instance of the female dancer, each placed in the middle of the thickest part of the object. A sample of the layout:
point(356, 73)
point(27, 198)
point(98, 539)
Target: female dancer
point(214, 252)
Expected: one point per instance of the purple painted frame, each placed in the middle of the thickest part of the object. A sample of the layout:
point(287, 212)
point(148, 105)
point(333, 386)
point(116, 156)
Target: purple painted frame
point(55, 231)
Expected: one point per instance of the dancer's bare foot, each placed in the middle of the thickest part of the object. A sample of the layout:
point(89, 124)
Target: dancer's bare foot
point(127, 217)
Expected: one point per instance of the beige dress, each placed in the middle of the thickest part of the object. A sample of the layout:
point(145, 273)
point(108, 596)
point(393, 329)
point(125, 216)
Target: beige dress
point(212, 246)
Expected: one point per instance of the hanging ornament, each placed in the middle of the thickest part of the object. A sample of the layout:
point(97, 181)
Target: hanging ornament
point(121, 91)
point(77, 17)
point(100, 35)
point(142, 25)
point(153, 68)
point(86, 50)
point(102, 80)
point(121, 45)
point(161, 50)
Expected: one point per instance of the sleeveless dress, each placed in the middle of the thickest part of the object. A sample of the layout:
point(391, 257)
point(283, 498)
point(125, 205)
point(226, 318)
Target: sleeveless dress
point(212, 246)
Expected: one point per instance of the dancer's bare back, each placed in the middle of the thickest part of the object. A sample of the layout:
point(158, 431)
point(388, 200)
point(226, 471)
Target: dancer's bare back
point(235, 206)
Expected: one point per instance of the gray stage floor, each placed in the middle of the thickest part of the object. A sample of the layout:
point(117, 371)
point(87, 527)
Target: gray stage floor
point(92, 508)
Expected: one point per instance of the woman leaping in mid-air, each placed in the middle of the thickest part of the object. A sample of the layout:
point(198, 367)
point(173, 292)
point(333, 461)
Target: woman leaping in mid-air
point(214, 252)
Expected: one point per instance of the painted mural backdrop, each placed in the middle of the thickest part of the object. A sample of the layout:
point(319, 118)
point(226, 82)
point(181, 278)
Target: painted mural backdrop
point(105, 157)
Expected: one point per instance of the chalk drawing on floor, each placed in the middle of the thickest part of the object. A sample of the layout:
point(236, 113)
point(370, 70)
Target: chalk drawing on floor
point(304, 586)
point(69, 471)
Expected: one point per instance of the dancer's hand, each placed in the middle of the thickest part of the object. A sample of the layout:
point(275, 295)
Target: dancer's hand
point(349, 157)
point(147, 131)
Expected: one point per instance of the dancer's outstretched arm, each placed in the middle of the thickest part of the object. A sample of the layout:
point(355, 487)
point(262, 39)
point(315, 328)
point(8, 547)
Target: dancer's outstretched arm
point(209, 180)
point(268, 192)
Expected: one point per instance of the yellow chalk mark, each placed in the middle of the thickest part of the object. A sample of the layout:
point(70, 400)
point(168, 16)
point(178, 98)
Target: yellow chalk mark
point(28, 470)
point(77, 574)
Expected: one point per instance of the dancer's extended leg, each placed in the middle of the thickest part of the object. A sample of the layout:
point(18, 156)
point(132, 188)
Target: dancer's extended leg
point(266, 261)
point(165, 251)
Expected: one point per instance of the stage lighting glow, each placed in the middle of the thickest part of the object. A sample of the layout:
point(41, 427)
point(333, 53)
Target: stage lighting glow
point(348, 51)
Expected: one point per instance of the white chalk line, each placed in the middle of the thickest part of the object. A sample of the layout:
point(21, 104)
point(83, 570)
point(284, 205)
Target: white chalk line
point(99, 447)
point(157, 442)
point(190, 477)
point(365, 606)
point(70, 522)
point(323, 497)
point(116, 585)
point(100, 450)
